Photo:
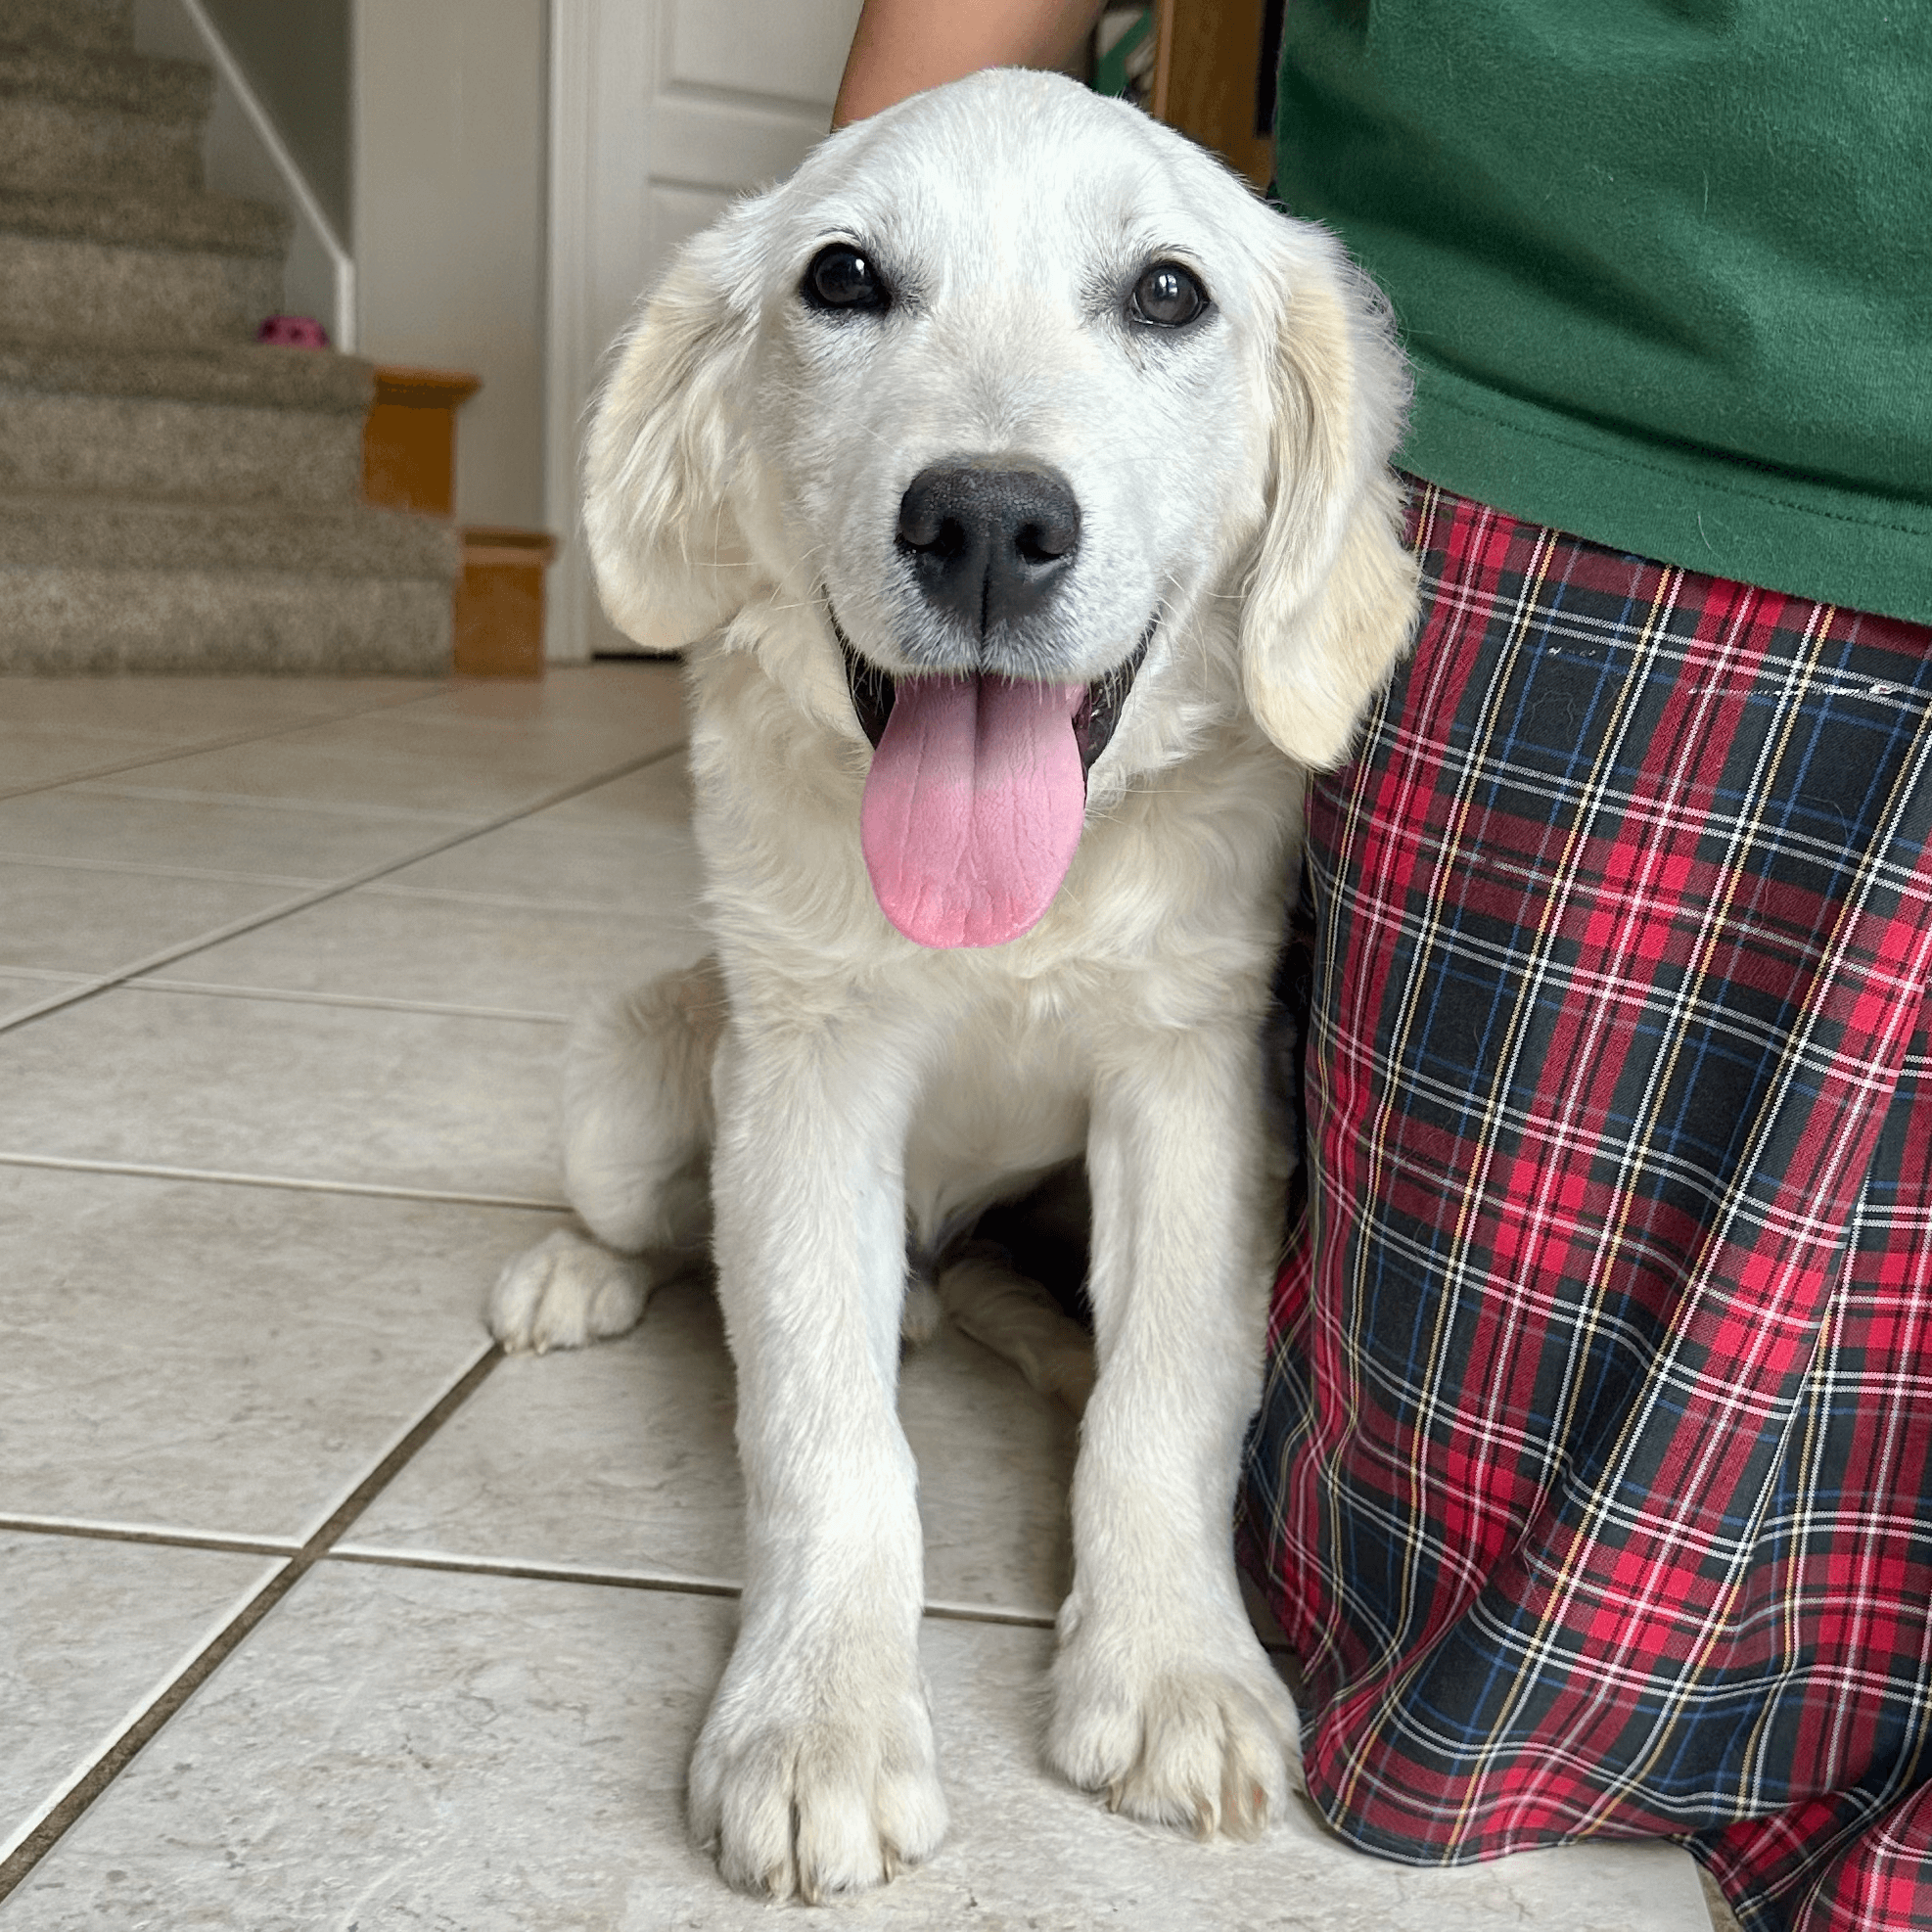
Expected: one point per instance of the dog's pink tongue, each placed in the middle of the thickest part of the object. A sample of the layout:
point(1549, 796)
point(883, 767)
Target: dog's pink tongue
point(972, 807)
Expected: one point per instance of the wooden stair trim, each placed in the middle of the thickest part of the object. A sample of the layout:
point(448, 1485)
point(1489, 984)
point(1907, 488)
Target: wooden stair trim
point(424, 388)
point(409, 438)
point(499, 612)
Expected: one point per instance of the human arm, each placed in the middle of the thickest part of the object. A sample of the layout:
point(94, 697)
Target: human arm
point(902, 46)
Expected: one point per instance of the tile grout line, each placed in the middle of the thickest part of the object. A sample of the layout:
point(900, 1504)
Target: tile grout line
point(291, 806)
point(941, 1610)
point(533, 1571)
point(295, 997)
point(167, 955)
point(509, 902)
point(210, 875)
point(122, 1751)
point(221, 1178)
point(130, 869)
point(194, 748)
point(217, 1541)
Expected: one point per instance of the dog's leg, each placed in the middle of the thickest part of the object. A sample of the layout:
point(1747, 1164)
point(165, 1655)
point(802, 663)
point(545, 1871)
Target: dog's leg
point(815, 1773)
point(1001, 1309)
point(637, 1123)
point(1162, 1696)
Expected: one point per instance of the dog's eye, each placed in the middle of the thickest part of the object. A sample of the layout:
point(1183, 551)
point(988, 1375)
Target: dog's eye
point(839, 277)
point(1167, 295)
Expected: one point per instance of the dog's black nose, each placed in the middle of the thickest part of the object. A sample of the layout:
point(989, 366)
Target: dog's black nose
point(988, 542)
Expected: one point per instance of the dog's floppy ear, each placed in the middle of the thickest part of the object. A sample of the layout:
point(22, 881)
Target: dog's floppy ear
point(1331, 599)
point(659, 463)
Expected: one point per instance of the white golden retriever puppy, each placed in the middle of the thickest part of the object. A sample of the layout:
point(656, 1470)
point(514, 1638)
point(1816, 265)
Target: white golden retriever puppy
point(1019, 485)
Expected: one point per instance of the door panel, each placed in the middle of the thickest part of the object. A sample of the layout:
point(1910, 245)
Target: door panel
point(726, 143)
point(662, 111)
point(677, 213)
point(792, 51)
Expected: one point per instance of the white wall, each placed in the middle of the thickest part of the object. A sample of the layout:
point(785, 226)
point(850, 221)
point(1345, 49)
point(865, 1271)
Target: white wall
point(244, 152)
point(297, 60)
point(448, 179)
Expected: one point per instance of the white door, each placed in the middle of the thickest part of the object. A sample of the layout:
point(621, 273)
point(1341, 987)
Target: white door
point(661, 110)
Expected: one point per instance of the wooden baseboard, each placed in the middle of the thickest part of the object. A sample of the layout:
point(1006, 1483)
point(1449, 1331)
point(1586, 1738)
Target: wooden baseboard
point(499, 602)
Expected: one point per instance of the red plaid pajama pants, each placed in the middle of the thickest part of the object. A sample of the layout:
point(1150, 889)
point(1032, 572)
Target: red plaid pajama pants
point(1592, 1476)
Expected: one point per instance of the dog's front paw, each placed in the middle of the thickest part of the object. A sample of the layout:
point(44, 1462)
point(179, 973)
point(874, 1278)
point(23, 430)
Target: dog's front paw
point(820, 1803)
point(566, 1291)
point(1207, 1742)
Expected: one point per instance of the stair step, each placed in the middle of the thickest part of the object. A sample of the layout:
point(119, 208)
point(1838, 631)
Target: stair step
point(249, 375)
point(94, 621)
point(126, 534)
point(99, 119)
point(172, 497)
point(177, 271)
point(105, 25)
point(192, 223)
point(103, 585)
point(71, 443)
point(143, 85)
point(254, 425)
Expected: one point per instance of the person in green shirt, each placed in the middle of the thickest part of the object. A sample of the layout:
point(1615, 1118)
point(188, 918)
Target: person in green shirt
point(1663, 267)
point(1592, 1474)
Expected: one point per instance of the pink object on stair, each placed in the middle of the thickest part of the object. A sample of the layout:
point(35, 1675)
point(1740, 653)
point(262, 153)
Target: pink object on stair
point(293, 331)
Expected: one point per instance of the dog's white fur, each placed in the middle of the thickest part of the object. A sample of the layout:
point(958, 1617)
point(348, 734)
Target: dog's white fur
point(854, 1091)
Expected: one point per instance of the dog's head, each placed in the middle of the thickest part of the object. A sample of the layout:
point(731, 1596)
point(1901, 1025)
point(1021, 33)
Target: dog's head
point(1024, 399)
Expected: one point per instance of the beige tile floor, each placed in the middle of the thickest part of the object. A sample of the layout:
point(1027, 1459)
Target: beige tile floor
point(313, 1611)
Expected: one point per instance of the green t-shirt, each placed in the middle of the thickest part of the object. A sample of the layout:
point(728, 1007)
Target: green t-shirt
point(1664, 266)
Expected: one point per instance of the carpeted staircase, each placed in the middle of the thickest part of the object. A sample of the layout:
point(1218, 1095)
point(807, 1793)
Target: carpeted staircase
point(173, 498)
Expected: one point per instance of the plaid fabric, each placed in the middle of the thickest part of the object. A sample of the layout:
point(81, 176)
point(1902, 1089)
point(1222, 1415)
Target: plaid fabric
point(1592, 1476)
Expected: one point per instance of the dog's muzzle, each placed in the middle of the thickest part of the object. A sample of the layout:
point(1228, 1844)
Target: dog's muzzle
point(873, 690)
point(977, 791)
